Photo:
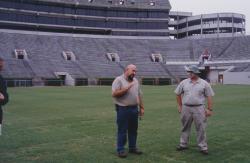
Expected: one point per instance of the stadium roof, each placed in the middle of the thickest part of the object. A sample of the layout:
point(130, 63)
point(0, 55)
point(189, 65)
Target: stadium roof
point(139, 4)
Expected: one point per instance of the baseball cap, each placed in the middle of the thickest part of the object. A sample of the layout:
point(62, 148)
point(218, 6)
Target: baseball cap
point(193, 68)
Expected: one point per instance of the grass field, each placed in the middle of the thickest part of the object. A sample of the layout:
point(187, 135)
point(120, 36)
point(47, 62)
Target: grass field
point(77, 124)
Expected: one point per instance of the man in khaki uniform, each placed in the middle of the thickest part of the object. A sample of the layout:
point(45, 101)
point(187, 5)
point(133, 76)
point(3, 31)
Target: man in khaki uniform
point(127, 97)
point(192, 94)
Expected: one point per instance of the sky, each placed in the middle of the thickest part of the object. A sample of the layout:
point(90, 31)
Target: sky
point(214, 6)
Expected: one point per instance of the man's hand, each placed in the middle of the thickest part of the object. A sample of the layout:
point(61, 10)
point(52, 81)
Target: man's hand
point(1, 96)
point(141, 113)
point(208, 112)
point(179, 109)
point(130, 85)
point(123, 91)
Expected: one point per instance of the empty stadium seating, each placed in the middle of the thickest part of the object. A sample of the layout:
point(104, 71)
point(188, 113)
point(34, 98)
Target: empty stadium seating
point(44, 53)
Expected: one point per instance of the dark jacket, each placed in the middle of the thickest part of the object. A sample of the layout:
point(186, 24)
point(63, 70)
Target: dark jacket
point(3, 90)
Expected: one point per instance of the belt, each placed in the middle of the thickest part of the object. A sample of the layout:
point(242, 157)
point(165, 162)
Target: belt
point(193, 105)
point(125, 106)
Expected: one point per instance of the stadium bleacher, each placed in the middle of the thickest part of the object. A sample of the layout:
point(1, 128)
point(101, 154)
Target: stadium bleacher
point(44, 53)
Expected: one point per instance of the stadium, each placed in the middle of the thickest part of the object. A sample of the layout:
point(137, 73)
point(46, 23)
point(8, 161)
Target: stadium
point(87, 46)
point(89, 43)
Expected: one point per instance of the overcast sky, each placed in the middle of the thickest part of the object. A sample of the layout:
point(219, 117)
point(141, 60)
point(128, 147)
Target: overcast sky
point(214, 6)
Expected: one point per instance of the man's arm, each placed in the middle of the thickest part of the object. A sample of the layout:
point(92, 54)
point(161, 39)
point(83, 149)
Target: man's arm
point(208, 94)
point(141, 106)
point(209, 110)
point(178, 99)
point(122, 91)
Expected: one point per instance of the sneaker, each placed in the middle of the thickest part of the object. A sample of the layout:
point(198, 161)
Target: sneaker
point(180, 148)
point(135, 151)
point(205, 152)
point(122, 154)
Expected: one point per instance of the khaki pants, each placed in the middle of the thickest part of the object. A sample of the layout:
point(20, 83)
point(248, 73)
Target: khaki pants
point(196, 114)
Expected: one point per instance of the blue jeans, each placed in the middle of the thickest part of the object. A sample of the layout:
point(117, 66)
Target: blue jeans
point(127, 123)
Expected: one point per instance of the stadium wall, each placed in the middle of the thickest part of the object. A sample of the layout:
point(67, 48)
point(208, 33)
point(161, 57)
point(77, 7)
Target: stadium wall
point(236, 78)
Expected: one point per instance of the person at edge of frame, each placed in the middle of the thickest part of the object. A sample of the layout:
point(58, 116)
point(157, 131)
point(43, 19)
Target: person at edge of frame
point(4, 97)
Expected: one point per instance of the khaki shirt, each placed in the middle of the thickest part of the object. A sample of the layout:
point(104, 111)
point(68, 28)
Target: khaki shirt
point(194, 93)
point(131, 97)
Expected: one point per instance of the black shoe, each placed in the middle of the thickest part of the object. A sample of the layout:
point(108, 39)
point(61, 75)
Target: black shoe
point(180, 148)
point(122, 154)
point(205, 152)
point(135, 151)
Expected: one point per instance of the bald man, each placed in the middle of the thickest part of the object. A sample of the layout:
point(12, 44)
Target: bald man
point(127, 97)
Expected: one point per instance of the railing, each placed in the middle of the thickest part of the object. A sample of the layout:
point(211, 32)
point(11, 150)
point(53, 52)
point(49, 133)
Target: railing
point(156, 81)
point(18, 82)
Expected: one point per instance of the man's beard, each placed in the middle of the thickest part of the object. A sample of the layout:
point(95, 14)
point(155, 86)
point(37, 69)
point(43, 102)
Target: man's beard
point(130, 77)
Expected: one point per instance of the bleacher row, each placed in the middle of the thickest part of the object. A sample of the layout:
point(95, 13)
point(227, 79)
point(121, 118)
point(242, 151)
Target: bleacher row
point(45, 54)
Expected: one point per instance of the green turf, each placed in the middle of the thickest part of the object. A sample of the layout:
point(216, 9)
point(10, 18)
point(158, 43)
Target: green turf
point(77, 124)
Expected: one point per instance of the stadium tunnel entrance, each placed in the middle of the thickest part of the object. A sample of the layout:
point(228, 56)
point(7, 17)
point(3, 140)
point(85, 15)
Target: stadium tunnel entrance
point(65, 78)
point(62, 78)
